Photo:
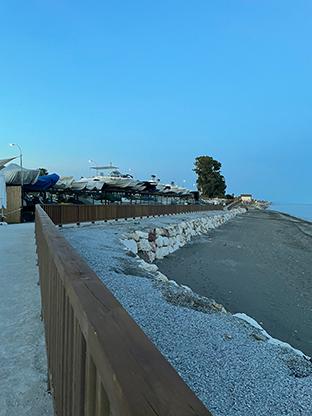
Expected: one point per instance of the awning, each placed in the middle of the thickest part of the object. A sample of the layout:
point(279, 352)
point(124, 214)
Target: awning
point(5, 161)
point(14, 175)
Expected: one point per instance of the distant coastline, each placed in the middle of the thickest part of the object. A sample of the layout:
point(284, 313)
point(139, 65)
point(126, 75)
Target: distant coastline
point(301, 211)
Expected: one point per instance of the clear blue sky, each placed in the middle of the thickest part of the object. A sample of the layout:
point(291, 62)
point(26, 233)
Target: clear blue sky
point(149, 85)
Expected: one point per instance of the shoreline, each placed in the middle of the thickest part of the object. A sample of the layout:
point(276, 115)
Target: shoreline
point(293, 217)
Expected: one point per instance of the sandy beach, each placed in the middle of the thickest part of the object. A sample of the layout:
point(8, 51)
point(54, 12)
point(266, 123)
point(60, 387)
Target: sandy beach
point(259, 263)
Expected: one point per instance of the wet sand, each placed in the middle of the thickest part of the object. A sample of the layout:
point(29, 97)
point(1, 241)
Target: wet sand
point(259, 263)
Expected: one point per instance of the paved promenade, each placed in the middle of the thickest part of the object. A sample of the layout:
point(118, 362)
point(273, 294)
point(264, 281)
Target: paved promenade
point(23, 372)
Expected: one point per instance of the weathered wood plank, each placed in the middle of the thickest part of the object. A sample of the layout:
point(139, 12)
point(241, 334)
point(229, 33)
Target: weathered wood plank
point(74, 214)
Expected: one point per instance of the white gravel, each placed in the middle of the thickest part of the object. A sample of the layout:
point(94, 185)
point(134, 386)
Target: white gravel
point(23, 367)
point(222, 358)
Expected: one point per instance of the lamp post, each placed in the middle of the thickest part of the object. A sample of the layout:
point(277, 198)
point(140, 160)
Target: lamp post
point(94, 162)
point(21, 161)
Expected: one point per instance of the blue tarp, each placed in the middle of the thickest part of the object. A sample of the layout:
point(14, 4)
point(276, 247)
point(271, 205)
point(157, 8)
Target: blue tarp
point(43, 183)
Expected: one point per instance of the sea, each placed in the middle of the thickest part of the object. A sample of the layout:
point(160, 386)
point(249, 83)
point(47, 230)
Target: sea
point(303, 211)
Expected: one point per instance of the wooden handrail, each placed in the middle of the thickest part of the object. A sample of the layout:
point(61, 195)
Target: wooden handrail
point(71, 214)
point(99, 361)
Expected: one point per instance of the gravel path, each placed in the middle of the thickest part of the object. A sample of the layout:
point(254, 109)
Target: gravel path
point(222, 358)
point(23, 371)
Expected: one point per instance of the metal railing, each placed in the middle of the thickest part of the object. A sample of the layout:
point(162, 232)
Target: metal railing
point(100, 363)
point(71, 214)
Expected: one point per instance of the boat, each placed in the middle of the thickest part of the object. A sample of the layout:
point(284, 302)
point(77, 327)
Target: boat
point(171, 188)
point(161, 187)
point(79, 185)
point(64, 182)
point(43, 183)
point(113, 178)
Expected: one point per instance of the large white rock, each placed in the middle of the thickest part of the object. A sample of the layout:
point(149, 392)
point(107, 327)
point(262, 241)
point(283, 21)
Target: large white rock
point(144, 245)
point(172, 231)
point(159, 241)
point(131, 245)
point(147, 266)
point(175, 247)
point(165, 241)
point(181, 240)
point(161, 277)
point(187, 289)
point(189, 237)
point(142, 234)
point(151, 256)
point(135, 236)
point(170, 249)
point(164, 232)
point(153, 246)
point(171, 241)
point(162, 252)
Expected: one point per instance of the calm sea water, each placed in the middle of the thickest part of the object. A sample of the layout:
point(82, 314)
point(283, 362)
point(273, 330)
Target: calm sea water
point(297, 210)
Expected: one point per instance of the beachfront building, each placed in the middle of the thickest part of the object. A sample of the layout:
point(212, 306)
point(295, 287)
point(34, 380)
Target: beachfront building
point(246, 198)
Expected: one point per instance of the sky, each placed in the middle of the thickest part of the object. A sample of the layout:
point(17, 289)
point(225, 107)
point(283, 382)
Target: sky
point(150, 85)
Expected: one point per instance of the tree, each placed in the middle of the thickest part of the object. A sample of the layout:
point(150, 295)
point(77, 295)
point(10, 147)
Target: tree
point(43, 171)
point(210, 182)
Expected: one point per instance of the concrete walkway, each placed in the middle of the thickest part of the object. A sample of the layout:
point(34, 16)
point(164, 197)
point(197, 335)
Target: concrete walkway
point(23, 372)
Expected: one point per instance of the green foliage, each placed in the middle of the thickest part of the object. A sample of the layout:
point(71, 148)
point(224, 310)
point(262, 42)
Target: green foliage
point(229, 196)
point(43, 172)
point(210, 182)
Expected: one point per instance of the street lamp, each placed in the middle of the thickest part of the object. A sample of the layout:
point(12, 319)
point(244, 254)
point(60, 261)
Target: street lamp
point(21, 161)
point(93, 162)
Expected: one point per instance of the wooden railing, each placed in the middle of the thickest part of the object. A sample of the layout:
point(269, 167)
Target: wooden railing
point(67, 214)
point(100, 363)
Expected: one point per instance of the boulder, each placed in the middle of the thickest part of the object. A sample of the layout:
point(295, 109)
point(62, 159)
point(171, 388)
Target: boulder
point(162, 232)
point(161, 252)
point(147, 266)
point(159, 241)
point(175, 247)
point(165, 241)
point(130, 245)
point(142, 234)
point(151, 256)
point(134, 236)
point(172, 231)
point(153, 246)
point(144, 245)
point(161, 277)
point(152, 236)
